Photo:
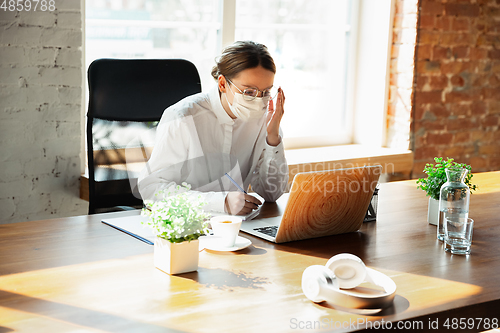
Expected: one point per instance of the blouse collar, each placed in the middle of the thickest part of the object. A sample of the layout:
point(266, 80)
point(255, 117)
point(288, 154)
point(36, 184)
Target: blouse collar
point(217, 107)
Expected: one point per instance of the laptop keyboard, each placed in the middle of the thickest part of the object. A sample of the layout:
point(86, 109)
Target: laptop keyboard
point(270, 231)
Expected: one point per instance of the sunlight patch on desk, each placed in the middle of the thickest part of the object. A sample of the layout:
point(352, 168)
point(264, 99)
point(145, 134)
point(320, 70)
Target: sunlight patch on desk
point(223, 286)
point(53, 316)
point(419, 293)
point(23, 321)
point(416, 296)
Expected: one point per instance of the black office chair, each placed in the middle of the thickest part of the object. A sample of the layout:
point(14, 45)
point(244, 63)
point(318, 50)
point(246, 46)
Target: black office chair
point(124, 94)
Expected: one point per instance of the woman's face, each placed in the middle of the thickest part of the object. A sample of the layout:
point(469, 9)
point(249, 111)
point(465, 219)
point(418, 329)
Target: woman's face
point(257, 77)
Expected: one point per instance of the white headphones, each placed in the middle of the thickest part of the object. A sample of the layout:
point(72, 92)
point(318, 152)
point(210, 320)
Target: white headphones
point(346, 271)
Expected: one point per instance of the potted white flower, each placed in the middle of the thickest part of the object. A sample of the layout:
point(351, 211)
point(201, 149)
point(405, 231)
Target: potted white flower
point(177, 222)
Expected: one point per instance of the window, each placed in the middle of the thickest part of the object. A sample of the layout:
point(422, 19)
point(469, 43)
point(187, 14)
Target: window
point(154, 29)
point(312, 42)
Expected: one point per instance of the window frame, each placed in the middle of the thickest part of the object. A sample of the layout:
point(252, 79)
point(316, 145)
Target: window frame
point(376, 27)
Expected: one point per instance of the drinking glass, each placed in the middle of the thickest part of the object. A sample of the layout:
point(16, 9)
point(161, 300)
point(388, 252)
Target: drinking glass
point(458, 235)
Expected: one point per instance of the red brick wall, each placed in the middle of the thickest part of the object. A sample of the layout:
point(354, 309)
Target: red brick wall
point(456, 107)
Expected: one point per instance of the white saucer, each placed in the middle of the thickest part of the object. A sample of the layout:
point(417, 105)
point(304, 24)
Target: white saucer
point(212, 243)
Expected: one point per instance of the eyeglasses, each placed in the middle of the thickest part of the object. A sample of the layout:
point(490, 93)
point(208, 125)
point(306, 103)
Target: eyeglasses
point(250, 93)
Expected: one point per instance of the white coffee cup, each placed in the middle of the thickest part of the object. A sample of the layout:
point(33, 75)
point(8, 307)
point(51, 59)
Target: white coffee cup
point(226, 228)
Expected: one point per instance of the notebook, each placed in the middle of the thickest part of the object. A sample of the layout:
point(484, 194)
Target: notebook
point(319, 204)
point(132, 225)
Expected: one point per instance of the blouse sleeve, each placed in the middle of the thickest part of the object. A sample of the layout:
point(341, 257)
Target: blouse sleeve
point(176, 144)
point(270, 178)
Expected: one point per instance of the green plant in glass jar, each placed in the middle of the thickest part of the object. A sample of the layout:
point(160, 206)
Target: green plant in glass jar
point(436, 177)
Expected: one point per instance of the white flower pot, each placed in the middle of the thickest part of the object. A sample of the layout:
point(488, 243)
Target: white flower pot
point(176, 258)
point(433, 211)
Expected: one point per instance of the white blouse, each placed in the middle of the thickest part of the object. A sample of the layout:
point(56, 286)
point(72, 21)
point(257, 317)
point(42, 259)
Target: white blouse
point(197, 143)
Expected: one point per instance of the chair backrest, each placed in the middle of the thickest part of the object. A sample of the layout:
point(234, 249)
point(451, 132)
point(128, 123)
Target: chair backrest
point(138, 89)
point(128, 91)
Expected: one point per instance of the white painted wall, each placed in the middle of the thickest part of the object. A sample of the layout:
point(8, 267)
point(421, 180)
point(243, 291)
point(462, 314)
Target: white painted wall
point(40, 113)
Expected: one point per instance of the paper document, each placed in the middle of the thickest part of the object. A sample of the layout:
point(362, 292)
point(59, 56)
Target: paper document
point(247, 217)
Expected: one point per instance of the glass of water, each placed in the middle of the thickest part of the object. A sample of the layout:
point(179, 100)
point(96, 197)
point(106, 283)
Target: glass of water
point(458, 235)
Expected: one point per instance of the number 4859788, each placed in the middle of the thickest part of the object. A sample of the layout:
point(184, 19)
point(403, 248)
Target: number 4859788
point(471, 323)
point(28, 5)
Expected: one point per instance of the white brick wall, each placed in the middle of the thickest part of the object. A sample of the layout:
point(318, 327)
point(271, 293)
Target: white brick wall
point(40, 121)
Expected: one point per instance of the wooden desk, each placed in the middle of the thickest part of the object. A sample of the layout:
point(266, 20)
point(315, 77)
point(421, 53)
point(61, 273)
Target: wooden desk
point(77, 274)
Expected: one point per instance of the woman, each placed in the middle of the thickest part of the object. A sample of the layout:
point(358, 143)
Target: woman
point(228, 135)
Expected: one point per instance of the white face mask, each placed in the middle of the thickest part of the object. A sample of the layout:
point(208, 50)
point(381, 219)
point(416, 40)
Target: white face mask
point(246, 110)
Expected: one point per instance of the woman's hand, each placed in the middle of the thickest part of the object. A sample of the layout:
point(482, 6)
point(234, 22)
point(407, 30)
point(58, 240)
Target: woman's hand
point(274, 119)
point(239, 203)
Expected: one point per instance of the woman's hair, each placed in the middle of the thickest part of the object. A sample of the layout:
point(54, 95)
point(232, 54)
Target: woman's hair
point(240, 56)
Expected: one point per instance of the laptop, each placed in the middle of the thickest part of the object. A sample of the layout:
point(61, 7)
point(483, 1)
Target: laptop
point(320, 203)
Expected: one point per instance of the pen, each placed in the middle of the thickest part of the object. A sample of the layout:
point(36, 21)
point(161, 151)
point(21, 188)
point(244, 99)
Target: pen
point(235, 183)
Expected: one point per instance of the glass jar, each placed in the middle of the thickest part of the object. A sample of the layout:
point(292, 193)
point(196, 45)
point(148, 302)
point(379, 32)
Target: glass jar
point(453, 198)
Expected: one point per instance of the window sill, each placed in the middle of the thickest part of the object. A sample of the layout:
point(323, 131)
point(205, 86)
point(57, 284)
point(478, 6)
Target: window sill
point(319, 159)
point(393, 161)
